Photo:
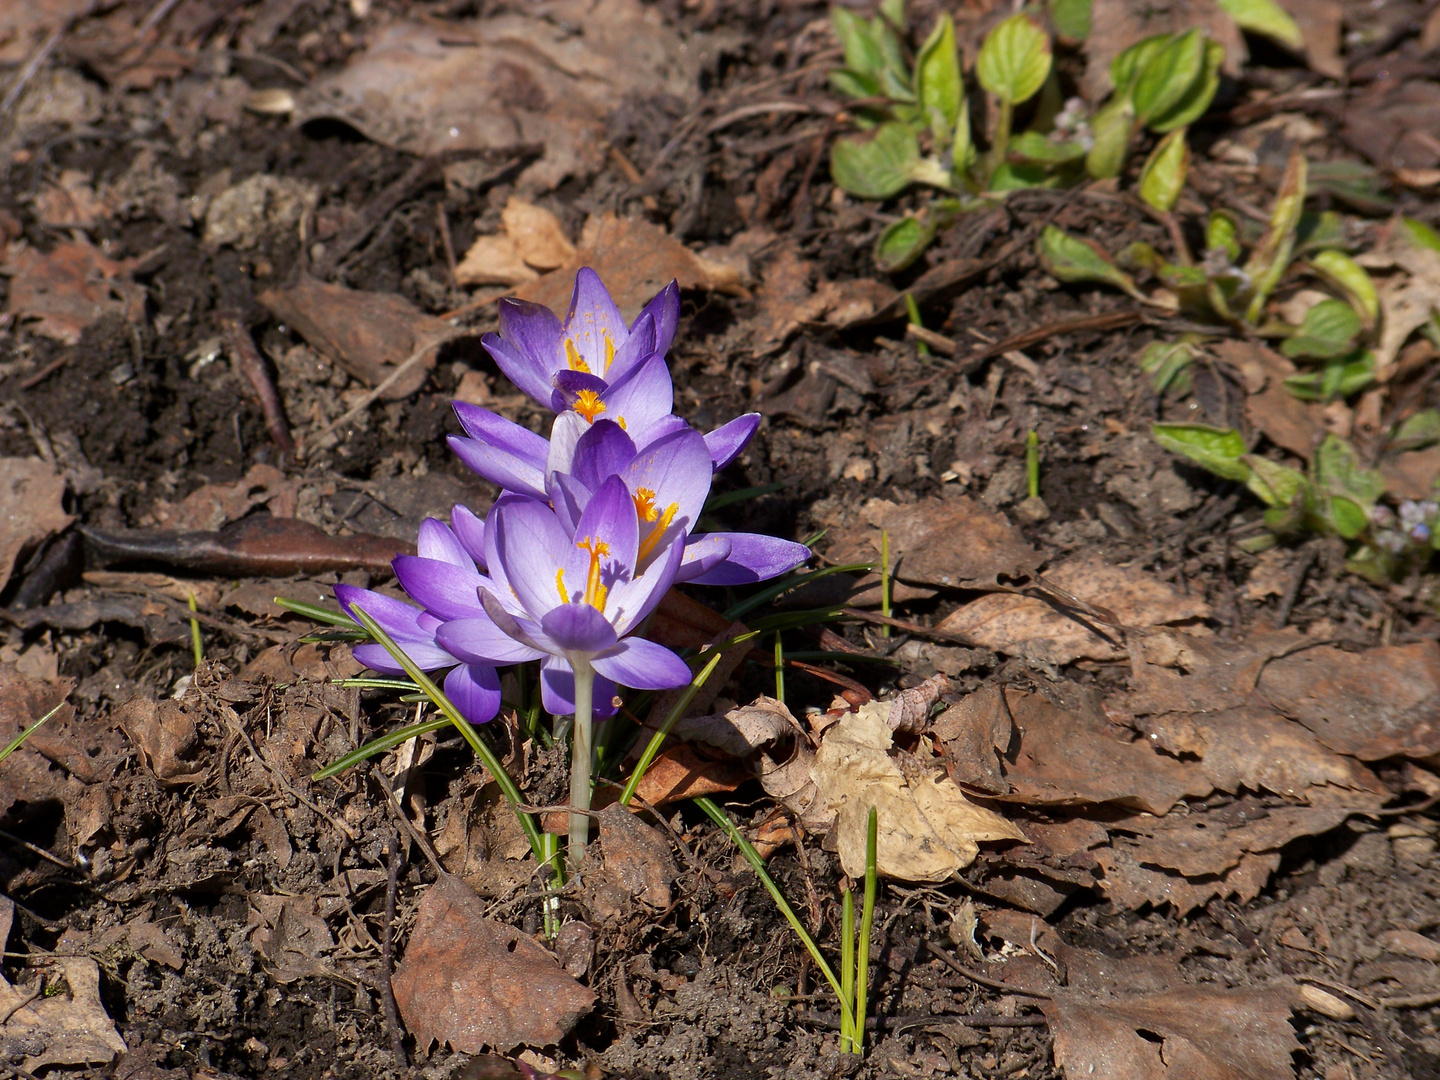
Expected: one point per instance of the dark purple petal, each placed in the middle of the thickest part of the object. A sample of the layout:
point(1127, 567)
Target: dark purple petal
point(703, 553)
point(475, 691)
point(528, 348)
point(579, 628)
point(665, 310)
point(602, 451)
point(446, 590)
point(753, 557)
point(499, 466)
point(557, 690)
point(470, 531)
point(480, 641)
point(534, 551)
point(569, 385)
point(396, 618)
point(643, 665)
point(493, 428)
point(639, 345)
point(728, 441)
point(609, 519)
point(594, 328)
point(643, 396)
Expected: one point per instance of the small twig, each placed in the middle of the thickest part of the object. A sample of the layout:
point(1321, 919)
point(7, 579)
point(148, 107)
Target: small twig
point(34, 994)
point(443, 221)
point(1308, 554)
point(387, 953)
point(415, 836)
point(48, 856)
point(744, 112)
point(252, 366)
point(45, 372)
point(975, 977)
point(22, 80)
point(802, 211)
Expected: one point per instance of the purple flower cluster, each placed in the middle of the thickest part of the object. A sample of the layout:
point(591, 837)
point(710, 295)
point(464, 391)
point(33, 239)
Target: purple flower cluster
point(593, 525)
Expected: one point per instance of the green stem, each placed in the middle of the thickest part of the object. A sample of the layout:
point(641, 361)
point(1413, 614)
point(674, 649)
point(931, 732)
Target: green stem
point(849, 1042)
point(867, 917)
point(1032, 463)
point(582, 747)
point(1002, 140)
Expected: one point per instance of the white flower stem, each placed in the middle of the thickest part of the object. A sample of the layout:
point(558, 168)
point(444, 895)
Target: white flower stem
point(582, 749)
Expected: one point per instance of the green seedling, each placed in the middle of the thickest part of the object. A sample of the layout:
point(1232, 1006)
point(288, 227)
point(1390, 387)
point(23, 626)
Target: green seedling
point(852, 985)
point(19, 740)
point(195, 640)
point(1032, 463)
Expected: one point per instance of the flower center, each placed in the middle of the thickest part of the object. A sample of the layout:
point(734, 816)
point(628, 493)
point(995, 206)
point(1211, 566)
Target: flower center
point(574, 359)
point(648, 512)
point(595, 592)
point(589, 405)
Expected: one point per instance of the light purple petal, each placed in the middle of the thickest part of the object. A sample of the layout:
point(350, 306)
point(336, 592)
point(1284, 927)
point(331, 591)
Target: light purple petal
point(631, 603)
point(565, 434)
point(528, 348)
point(569, 497)
point(534, 550)
point(480, 641)
point(440, 587)
point(642, 397)
point(470, 531)
point(753, 557)
point(427, 656)
point(703, 553)
point(436, 541)
point(594, 326)
point(493, 428)
point(579, 628)
point(499, 466)
point(728, 441)
point(643, 665)
point(525, 631)
point(665, 426)
point(557, 691)
point(396, 618)
point(475, 691)
point(639, 345)
point(609, 518)
point(677, 471)
point(602, 451)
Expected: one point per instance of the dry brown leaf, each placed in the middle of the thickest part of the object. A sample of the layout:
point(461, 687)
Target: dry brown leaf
point(973, 734)
point(1069, 759)
point(519, 77)
point(69, 289)
point(23, 27)
point(70, 202)
point(636, 858)
point(493, 260)
point(790, 297)
point(366, 333)
point(539, 238)
point(1270, 576)
point(1176, 672)
point(32, 508)
point(1031, 627)
point(69, 1028)
point(955, 543)
point(634, 258)
point(927, 828)
point(1190, 1033)
point(1375, 704)
point(744, 730)
point(471, 982)
point(1320, 23)
point(164, 733)
point(1208, 843)
point(212, 506)
point(291, 936)
point(1288, 422)
point(1412, 474)
point(679, 773)
point(1406, 299)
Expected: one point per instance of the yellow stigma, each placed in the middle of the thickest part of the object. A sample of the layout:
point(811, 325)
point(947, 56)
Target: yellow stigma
point(595, 592)
point(573, 357)
point(560, 585)
point(645, 504)
point(647, 545)
point(589, 405)
point(609, 349)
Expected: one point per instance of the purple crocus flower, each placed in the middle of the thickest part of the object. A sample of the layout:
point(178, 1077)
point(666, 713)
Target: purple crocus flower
point(533, 346)
point(445, 557)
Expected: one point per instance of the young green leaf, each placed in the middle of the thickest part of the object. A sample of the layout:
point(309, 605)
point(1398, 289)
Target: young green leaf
point(906, 240)
point(1032, 146)
point(1350, 278)
point(1014, 59)
point(1420, 234)
point(1276, 485)
point(878, 166)
point(1165, 362)
point(1168, 76)
point(1163, 176)
point(893, 12)
point(962, 147)
point(937, 79)
point(1328, 330)
point(858, 43)
point(1338, 471)
point(1022, 176)
point(1338, 379)
point(1126, 67)
point(1071, 19)
point(1112, 128)
point(1218, 449)
point(1198, 98)
point(1222, 234)
point(1271, 255)
point(1422, 429)
point(1266, 18)
point(1071, 259)
point(1138, 255)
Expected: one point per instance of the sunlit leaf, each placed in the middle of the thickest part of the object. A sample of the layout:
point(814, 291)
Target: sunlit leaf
point(1266, 18)
point(906, 240)
point(1111, 127)
point(1275, 484)
point(1032, 146)
point(1347, 517)
point(1420, 234)
point(1071, 19)
point(1014, 59)
point(1328, 330)
point(937, 78)
point(1338, 471)
point(1072, 259)
point(962, 146)
point(1138, 255)
point(1271, 255)
point(893, 11)
point(1126, 67)
point(1222, 234)
point(858, 42)
point(1197, 99)
point(1165, 362)
point(1163, 176)
point(1337, 379)
point(1168, 76)
point(1022, 176)
point(878, 166)
point(1422, 429)
point(1216, 449)
point(1319, 232)
point(1351, 278)
point(854, 85)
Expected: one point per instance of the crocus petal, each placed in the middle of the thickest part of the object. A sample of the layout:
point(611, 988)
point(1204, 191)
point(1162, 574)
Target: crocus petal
point(440, 587)
point(665, 310)
point(579, 628)
point(594, 326)
point(753, 557)
point(538, 558)
point(643, 396)
point(470, 531)
point(569, 385)
point(569, 497)
point(565, 434)
point(427, 656)
point(702, 553)
point(633, 601)
point(664, 427)
point(528, 347)
point(643, 665)
point(480, 641)
point(675, 472)
point(501, 451)
point(557, 690)
point(436, 541)
point(524, 631)
point(728, 441)
point(639, 345)
point(396, 618)
point(609, 518)
point(475, 691)
point(603, 450)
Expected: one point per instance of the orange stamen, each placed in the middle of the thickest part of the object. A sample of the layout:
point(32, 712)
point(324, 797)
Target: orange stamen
point(589, 405)
point(595, 592)
point(560, 585)
point(609, 349)
point(647, 545)
point(573, 357)
point(645, 504)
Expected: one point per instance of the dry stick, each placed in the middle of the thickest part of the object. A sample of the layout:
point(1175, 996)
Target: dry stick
point(444, 222)
point(974, 976)
point(39, 57)
point(1109, 320)
point(387, 953)
point(252, 366)
point(45, 372)
point(1308, 554)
